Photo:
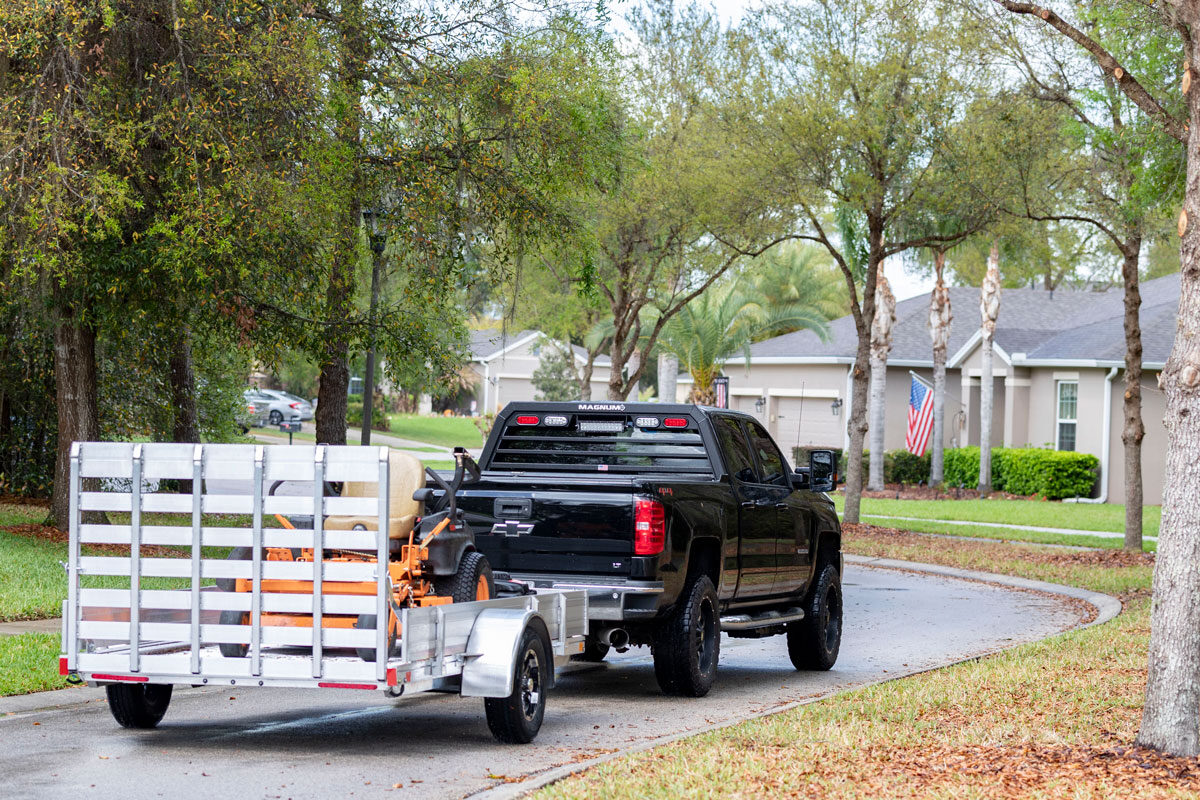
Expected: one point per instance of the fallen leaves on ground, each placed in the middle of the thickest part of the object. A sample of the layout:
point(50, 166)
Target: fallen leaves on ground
point(46, 533)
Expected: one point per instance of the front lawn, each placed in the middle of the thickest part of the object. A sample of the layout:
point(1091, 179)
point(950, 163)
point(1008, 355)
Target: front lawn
point(1080, 516)
point(444, 431)
point(1051, 719)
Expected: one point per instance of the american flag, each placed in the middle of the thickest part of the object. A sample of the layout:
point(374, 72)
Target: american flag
point(920, 417)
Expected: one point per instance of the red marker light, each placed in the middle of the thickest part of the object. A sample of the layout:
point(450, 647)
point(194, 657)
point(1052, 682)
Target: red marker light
point(527, 420)
point(675, 422)
point(62, 666)
point(649, 527)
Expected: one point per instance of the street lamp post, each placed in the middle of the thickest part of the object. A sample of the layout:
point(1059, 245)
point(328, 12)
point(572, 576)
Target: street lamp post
point(377, 241)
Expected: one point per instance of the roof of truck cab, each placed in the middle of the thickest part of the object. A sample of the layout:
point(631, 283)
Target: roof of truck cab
point(610, 406)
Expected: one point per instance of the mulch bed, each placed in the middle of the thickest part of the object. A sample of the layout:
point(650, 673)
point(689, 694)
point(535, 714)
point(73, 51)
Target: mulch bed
point(903, 491)
point(18, 500)
point(48, 534)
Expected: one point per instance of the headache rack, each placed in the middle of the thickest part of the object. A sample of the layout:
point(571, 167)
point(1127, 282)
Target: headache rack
point(615, 443)
point(141, 605)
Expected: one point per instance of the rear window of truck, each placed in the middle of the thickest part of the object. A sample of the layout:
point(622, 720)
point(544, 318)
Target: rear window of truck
point(618, 443)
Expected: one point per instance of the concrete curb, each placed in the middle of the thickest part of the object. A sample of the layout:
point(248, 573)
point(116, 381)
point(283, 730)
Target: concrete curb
point(1106, 609)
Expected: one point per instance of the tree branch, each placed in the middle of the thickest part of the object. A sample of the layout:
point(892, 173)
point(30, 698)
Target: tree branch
point(1127, 83)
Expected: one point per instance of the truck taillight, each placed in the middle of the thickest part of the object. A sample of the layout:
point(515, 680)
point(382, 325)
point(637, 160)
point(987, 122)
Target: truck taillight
point(649, 527)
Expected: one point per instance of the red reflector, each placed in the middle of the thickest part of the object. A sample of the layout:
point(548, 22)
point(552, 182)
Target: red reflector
point(347, 685)
point(391, 676)
point(62, 665)
point(675, 422)
point(96, 676)
point(649, 527)
point(530, 420)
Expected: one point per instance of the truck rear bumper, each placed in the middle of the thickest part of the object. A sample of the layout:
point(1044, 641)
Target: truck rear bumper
point(625, 601)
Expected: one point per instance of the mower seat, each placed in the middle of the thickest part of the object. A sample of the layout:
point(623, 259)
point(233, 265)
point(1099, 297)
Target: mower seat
point(406, 475)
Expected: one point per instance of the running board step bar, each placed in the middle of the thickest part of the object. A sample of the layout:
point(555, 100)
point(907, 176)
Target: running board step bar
point(746, 622)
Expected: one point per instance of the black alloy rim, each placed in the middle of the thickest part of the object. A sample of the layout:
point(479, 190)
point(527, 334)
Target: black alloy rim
point(706, 635)
point(531, 684)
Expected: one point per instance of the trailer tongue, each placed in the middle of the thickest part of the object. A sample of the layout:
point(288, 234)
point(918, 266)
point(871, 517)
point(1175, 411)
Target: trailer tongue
point(345, 599)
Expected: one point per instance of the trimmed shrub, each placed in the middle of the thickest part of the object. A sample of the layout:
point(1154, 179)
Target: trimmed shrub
point(901, 466)
point(1054, 474)
point(354, 415)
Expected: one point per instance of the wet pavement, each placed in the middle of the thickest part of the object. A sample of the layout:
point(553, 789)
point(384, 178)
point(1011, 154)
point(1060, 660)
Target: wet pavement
point(247, 743)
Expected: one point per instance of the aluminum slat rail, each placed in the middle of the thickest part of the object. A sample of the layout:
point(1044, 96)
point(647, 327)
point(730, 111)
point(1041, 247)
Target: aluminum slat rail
point(318, 544)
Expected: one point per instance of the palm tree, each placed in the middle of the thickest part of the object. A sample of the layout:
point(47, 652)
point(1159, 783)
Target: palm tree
point(797, 273)
point(724, 320)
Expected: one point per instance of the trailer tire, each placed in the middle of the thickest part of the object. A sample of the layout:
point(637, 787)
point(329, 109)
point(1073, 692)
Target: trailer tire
point(516, 719)
point(813, 642)
point(234, 649)
point(472, 581)
point(138, 705)
point(367, 622)
point(594, 651)
point(687, 644)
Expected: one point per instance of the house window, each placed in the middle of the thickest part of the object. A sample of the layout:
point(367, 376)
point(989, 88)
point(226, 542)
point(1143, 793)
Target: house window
point(1068, 413)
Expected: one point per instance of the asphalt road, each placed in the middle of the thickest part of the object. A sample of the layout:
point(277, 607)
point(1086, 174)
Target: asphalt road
point(268, 743)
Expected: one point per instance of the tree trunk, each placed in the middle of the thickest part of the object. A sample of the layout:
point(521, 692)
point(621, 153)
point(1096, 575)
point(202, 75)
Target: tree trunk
point(75, 402)
point(353, 56)
point(668, 377)
point(183, 389)
point(857, 424)
point(1134, 431)
point(1171, 715)
point(585, 377)
point(989, 309)
point(881, 343)
point(939, 331)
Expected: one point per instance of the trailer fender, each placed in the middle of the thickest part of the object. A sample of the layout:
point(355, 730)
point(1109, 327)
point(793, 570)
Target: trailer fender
point(492, 650)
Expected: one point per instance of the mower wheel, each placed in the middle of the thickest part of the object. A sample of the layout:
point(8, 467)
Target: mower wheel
point(516, 719)
point(244, 554)
point(234, 649)
point(473, 581)
point(138, 705)
point(366, 622)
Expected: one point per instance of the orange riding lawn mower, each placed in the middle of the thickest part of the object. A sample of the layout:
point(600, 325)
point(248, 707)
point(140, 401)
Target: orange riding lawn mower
point(433, 560)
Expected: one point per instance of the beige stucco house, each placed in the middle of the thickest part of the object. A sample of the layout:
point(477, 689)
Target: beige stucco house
point(1058, 376)
point(504, 362)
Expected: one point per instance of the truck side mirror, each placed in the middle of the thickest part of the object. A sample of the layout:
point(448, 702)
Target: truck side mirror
point(821, 472)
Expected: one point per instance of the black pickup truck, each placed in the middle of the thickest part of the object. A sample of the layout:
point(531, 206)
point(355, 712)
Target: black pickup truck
point(681, 521)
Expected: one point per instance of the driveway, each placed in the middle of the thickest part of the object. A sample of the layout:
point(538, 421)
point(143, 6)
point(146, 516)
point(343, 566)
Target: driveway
point(219, 743)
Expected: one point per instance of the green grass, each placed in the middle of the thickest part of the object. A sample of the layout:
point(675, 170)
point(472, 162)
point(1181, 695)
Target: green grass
point(29, 663)
point(1079, 516)
point(1038, 721)
point(1007, 534)
point(444, 431)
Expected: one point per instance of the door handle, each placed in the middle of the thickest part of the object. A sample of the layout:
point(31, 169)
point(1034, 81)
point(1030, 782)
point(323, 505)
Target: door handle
point(781, 506)
point(747, 504)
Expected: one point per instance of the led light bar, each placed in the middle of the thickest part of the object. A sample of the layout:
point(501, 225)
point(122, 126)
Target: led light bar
point(601, 426)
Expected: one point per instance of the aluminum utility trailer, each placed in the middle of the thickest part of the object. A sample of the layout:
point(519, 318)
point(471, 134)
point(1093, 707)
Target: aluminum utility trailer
point(161, 624)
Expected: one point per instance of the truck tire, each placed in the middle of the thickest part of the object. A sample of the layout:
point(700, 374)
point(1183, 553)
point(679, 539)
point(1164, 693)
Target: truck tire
point(516, 719)
point(472, 581)
point(687, 644)
point(814, 641)
point(594, 651)
point(138, 705)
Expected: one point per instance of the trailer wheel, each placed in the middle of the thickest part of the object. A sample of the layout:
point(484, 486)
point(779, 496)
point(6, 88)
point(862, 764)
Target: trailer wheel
point(594, 651)
point(472, 581)
point(366, 622)
point(814, 641)
point(516, 719)
point(234, 649)
point(687, 644)
point(138, 705)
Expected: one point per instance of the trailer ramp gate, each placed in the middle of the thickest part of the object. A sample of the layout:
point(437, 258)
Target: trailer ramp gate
point(145, 609)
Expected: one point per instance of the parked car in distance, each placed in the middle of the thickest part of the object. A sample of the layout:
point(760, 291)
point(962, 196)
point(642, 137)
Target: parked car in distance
point(284, 405)
point(255, 410)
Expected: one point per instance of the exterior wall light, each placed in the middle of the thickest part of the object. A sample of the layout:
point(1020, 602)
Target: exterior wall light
point(836, 406)
point(760, 404)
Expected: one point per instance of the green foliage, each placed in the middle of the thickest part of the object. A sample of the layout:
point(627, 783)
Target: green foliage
point(555, 377)
point(380, 421)
point(27, 409)
point(906, 467)
point(1053, 474)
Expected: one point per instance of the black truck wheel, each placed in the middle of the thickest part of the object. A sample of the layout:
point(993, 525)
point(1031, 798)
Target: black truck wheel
point(516, 719)
point(472, 581)
point(138, 705)
point(814, 641)
point(367, 622)
point(687, 644)
point(594, 651)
